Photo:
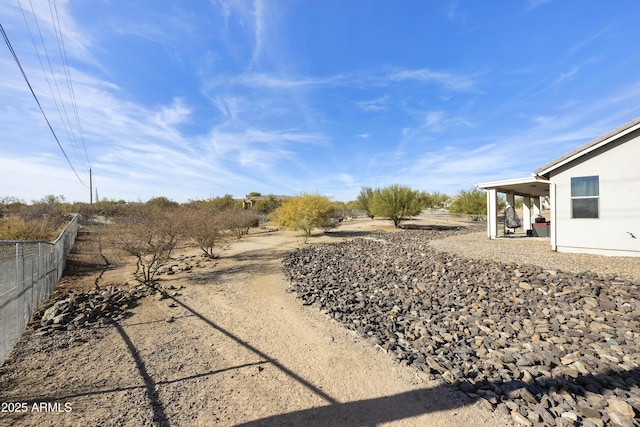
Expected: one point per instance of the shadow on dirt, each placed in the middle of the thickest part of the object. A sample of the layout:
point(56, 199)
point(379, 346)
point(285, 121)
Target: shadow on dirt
point(403, 405)
point(366, 412)
point(159, 415)
point(372, 412)
point(220, 275)
point(254, 350)
point(258, 255)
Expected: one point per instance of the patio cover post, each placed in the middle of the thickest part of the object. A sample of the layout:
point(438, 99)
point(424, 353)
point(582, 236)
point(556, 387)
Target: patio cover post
point(537, 203)
point(552, 201)
point(526, 212)
point(492, 213)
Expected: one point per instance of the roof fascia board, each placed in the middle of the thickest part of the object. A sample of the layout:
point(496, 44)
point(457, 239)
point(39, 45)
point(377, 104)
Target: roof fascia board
point(544, 170)
point(515, 181)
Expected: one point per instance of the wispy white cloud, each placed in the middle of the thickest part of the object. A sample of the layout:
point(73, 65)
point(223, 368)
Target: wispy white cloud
point(428, 125)
point(54, 22)
point(257, 22)
point(230, 106)
point(454, 13)
point(276, 81)
point(172, 115)
point(449, 80)
point(599, 34)
point(354, 79)
point(260, 31)
point(377, 104)
point(533, 4)
point(575, 69)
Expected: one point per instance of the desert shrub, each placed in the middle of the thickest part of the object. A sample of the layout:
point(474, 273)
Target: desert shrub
point(162, 202)
point(435, 200)
point(353, 205)
point(238, 221)
point(51, 211)
point(16, 228)
point(473, 203)
point(364, 200)
point(225, 202)
point(150, 234)
point(267, 204)
point(304, 213)
point(396, 202)
point(43, 220)
point(205, 225)
point(11, 205)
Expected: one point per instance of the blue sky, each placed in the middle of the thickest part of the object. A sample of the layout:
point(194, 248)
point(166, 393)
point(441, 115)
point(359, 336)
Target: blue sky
point(195, 99)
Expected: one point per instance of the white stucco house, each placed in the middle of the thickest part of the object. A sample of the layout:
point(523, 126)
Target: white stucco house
point(593, 193)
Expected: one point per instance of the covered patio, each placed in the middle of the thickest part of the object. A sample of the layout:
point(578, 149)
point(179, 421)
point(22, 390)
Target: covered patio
point(528, 188)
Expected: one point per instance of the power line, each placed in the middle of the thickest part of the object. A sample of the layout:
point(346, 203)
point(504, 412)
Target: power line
point(65, 63)
point(64, 118)
point(46, 75)
point(15, 57)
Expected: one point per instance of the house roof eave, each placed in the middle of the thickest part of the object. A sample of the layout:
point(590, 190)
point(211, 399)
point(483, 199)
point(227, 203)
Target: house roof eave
point(531, 186)
point(590, 146)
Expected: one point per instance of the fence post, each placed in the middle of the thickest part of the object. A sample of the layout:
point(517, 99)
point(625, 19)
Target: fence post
point(20, 288)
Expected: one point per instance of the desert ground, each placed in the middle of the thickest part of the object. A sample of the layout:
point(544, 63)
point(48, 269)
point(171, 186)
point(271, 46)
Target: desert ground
point(224, 344)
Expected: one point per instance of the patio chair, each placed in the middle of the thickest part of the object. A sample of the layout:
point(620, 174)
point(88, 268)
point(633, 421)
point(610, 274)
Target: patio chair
point(511, 220)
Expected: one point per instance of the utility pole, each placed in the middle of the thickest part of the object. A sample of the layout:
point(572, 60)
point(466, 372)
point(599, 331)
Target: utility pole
point(90, 189)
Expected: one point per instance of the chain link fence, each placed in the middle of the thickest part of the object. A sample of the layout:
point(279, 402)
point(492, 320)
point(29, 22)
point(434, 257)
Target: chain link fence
point(29, 271)
point(445, 217)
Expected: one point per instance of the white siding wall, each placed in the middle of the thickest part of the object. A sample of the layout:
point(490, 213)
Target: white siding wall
point(619, 171)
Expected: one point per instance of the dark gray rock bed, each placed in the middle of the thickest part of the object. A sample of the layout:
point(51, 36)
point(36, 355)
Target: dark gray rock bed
point(546, 347)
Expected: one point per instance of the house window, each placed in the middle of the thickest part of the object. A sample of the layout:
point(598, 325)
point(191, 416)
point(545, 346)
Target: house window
point(585, 192)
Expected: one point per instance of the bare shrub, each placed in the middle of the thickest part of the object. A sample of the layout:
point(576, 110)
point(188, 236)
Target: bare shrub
point(150, 233)
point(238, 222)
point(41, 221)
point(17, 228)
point(205, 226)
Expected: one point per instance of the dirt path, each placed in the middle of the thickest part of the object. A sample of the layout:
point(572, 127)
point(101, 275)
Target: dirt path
point(232, 348)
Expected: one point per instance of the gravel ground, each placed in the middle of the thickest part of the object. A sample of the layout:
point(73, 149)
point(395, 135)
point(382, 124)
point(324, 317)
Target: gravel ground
point(537, 252)
point(553, 344)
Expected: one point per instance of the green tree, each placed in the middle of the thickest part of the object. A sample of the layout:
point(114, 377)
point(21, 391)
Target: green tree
point(50, 199)
point(304, 213)
point(162, 202)
point(472, 202)
point(434, 200)
point(396, 202)
point(364, 200)
point(267, 205)
point(353, 205)
point(226, 202)
point(519, 203)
